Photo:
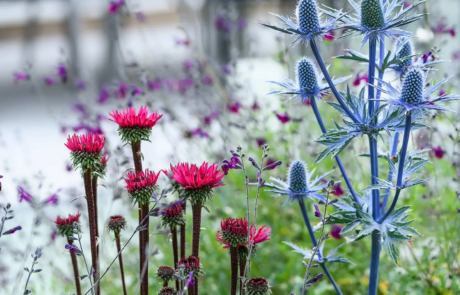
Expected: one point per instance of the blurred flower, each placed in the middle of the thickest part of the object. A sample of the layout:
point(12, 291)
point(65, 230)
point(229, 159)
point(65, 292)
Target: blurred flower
point(135, 90)
point(154, 85)
point(255, 106)
point(234, 107)
point(272, 165)
point(72, 248)
point(165, 274)
point(438, 152)
point(65, 226)
point(207, 80)
point(188, 64)
point(23, 195)
point(359, 78)
point(19, 76)
point(241, 23)
point(338, 190)
point(283, 118)
point(49, 81)
point(1, 176)
point(104, 96)
point(53, 199)
point(317, 212)
point(116, 223)
point(142, 184)
point(441, 28)
point(190, 280)
point(329, 36)
point(233, 164)
point(335, 231)
point(259, 286)
point(80, 84)
point(12, 231)
point(183, 42)
point(53, 235)
point(260, 141)
point(115, 5)
point(315, 279)
point(456, 55)
point(200, 133)
point(222, 24)
point(227, 69)
point(122, 90)
point(208, 119)
point(406, 4)
point(426, 56)
point(61, 72)
point(140, 16)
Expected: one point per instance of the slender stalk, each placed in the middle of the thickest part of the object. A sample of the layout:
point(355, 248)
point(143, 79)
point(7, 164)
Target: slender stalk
point(94, 186)
point(394, 149)
point(315, 244)
point(314, 106)
point(242, 268)
point(175, 250)
point(375, 251)
point(76, 275)
point(182, 232)
point(120, 260)
point(234, 267)
point(381, 72)
point(401, 165)
point(196, 212)
point(143, 215)
point(87, 177)
point(320, 62)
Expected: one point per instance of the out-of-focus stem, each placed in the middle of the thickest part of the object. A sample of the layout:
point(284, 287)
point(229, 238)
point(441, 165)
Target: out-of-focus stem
point(120, 260)
point(242, 268)
point(196, 212)
point(175, 250)
point(76, 275)
point(234, 269)
point(393, 152)
point(182, 232)
point(94, 186)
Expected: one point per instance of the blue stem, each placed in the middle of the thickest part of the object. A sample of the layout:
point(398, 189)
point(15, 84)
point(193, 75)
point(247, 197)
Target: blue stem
point(315, 243)
point(375, 251)
point(394, 149)
point(401, 165)
point(381, 73)
point(337, 158)
point(320, 62)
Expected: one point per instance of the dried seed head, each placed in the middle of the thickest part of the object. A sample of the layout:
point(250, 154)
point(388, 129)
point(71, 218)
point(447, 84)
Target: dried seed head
point(258, 286)
point(167, 291)
point(116, 223)
point(405, 51)
point(297, 177)
point(307, 75)
point(372, 14)
point(166, 273)
point(307, 16)
point(412, 88)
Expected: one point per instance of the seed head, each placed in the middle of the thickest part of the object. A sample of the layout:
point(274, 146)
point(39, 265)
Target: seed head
point(167, 291)
point(307, 16)
point(165, 273)
point(306, 75)
point(372, 14)
point(412, 88)
point(297, 177)
point(116, 223)
point(258, 286)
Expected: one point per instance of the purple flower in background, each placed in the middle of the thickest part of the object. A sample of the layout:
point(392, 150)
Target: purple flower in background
point(426, 56)
point(49, 81)
point(442, 92)
point(438, 152)
point(315, 279)
point(222, 24)
point(154, 85)
point(80, 84)
point(273, 165)
point(72, 248)
point(122, 90)
point(53, 235)
point(19, 76)
point(23, 195)
point(190, 281)
point(81, 110)
point(12, 231)
point(53, 199)
point(255, 106)
point(338, 190)
point(441, 28)
point(335, 231)
point(227, 69)
point(1, 176)
point(456, 55)
point(208, 119)
point(260, 141)
point(115, 5)
point(234, 161)
point(317, 212)
point(188, 64)
point(104, 96)
point(234, 107)
point(199, 132)
point(283, 118)
point(136, 90)
point(183, 42)
point(140, 16)
point(61, 72)
point(406, 4)
point(207, 80)
point(68, 167)
point(241, 23)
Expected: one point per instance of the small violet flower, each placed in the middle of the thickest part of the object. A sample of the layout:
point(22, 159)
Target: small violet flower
point(19, 76)
point(283, 118)
point(234, 107)
point(438, 152)
point(61, 72)
point(317, 212)
point(49, 81)
point(335, 231)
point(23, 195)
point(12, 231)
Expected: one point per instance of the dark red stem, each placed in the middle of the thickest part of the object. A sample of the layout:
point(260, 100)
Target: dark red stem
point(234, 266)
point(94, 186)
point(242, 268)
point(75, 268)
point(120, 261)
point(175, 250)
point(196, 212)
point(182, 232)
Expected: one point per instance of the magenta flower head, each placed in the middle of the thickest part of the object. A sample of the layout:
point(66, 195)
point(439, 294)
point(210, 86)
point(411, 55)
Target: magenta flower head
point(116, 223)
point(101, 167)
point(115, 5)
point(135, 127)
point(335, 231)
point(258, 286)
point(24, 195)
point(234, 231)
point(49, 81)
point(142, 185)
point(166, 274)
point(53, 199)
point(256, 236)
point(85, 150)
point(167, 291)
point(173, 215)
point(197, 182)
point(438, 152)
point(283, 118)
point(65, 225)
point(191, 265)
point(61, 72)
point(12, 231)
point(19, 76)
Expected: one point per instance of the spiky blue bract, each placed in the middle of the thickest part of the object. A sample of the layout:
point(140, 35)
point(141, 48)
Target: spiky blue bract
point(412, 88)
point(372, 14)
point(307, 75)
point(307, 16)
point(297, 177)
point(405, 50)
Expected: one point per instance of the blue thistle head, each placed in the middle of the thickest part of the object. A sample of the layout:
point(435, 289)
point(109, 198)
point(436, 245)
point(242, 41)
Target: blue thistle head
point(306, 74)
point(406, 50)
point(372, 14)
point(307, 16)
point(297, 177)
point(412, 86)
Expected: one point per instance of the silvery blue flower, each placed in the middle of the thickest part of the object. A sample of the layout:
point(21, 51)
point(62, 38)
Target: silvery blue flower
point(413, 95)
point(309, 24)
point(309, 82)
point(376, 20)
point(403, 49)
point(299, 184)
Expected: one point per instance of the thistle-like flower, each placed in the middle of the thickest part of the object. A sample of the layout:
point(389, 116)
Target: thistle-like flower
point(299, 183)
point(65, 226)
point(310, 25)
point(85, 150)
point(191, 264)
point(167, 291)
point(197, 182)
point(101, 167)
point(405, 50)
point(413, 96)
point(135, 128)
point(234, 232)
point(173, 215)
point(166, 274)
point(376, 20)
point(309, 82)
point(258, 286)
point(256, 236)
point(141, 185)
point(116, 223)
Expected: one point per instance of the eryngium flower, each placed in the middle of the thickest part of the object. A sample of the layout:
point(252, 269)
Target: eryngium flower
point(299, 183)
point(134, 127)
point(234, 231)
point(309, 23)
point(191, 264)
point(167, 291)
point(65, 225)
point(116, 223)
point(166, 273)
point(197, 183)
point(173, 215)
point(413, 95)
point(85, 149)
point(141, 185)
point(376, 21)
point(405, 50)
point(258, 286)
point(309, 82)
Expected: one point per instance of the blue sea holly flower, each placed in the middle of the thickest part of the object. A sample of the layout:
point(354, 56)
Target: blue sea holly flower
point(413, 95)
point(376, 20)
point(405, 49)
point(299, 184)
point(309, 82)
point(310, 23)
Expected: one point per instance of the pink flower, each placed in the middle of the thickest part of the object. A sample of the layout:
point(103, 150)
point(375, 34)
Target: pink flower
point(234, 107)
point(208, 119)
point(190, 176)
point(53, 199)
point(86, 143)
point(283, 118)
point(141, 180)
point(188, 64)
point(207, 80)
point(129, 119)
point(49, 81)
point(61, 72)
point(338, 190)
point(259, 236)
point(115, 5)
point(442, 92)
point(19, 76)
point(438, 152)
point(335, 231)
point(260, 141)
point(359, 78)
point(329, 36)
point(23, 195)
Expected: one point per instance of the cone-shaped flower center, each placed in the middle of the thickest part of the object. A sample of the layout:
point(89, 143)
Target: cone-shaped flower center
point(372, 14)
point(306, 74)
point(307, 16)
point(412, 88)
point(405, 51)
point(297, 177)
